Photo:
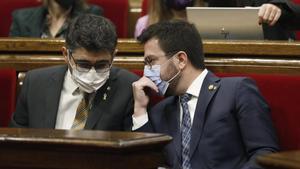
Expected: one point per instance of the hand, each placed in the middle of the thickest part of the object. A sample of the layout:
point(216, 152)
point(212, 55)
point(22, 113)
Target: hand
point(141, 99)
point(269, 13)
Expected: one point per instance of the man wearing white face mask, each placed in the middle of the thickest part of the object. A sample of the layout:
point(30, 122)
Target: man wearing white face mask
point(88, 93)
point(216, 123)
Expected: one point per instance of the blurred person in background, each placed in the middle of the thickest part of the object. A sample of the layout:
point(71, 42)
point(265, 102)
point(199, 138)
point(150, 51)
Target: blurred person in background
point(49, 20)
point(163, 10)
point(278, 17)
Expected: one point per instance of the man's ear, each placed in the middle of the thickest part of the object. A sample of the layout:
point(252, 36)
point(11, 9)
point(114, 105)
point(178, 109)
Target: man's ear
point(182, 60)
point(65, 54)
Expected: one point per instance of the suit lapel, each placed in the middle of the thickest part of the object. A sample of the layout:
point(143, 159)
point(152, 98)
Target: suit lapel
point(101, 101)
point(53, 91)
point(209, 87)
point(172, 119)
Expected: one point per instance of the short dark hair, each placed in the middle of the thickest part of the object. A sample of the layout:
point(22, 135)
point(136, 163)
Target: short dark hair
point(91, 32)
point(174, 36)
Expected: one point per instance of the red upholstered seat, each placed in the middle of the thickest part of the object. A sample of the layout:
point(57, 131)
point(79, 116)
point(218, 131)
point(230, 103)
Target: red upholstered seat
point(283, 96)
point(8, 95)
point(6, 9)
point(117, 11)
point(144, 7)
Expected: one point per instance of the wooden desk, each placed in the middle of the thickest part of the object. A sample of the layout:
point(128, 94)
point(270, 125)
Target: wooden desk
point(282, 160)
point(220, 55)
point(66, 149)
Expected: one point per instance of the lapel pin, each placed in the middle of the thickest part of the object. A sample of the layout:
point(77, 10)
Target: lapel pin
point(108, 88)
point(215, 87)
point(211, 87)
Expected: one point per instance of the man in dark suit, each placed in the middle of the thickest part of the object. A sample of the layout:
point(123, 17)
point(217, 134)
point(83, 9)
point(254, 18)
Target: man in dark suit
point(88, 93)
point(216, 123)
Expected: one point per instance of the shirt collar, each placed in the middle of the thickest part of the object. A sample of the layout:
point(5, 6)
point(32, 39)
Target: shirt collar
point(70, 85)
point(195, 87)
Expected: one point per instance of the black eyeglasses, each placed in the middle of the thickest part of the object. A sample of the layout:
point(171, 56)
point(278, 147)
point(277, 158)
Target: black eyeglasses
point(101, 66)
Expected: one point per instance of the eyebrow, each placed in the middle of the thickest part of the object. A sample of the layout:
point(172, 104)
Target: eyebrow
point(97, 62)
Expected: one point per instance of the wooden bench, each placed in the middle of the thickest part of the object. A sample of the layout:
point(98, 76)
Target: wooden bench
point(274, 65)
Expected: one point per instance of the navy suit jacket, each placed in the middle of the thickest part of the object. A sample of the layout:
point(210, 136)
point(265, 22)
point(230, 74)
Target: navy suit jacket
point(231, 126)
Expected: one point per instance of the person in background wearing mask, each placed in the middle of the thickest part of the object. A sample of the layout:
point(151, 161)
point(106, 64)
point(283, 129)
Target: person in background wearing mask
point(162, 10)
point(49, 20)
point(88, 93)
point(216, 123)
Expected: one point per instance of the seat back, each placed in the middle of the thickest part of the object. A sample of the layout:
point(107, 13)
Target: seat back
point(117, 11)
point(6, 9)
point(283, 96)
point(8, 80)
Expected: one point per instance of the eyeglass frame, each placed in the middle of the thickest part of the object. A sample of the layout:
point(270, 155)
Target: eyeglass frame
point(85, 70)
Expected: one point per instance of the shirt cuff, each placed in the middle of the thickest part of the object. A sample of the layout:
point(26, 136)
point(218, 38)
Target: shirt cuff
point(139, 121)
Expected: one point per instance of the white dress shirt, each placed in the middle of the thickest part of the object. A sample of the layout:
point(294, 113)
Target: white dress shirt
point(70, 98)
point(193, 89)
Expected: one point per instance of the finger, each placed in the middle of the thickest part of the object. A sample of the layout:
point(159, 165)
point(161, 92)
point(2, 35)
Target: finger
point(267, 13)
point(144, 82)
point(261, 12)
point(276, 17)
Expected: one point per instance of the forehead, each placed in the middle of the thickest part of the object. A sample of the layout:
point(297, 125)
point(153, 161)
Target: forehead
point(152, 49)
point(81, 53)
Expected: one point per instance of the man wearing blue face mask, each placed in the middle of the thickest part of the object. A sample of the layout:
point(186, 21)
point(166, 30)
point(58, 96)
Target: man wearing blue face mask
point(88, 93)
point(216, 123)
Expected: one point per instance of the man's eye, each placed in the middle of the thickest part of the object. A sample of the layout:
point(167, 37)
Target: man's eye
point(101, 66)
point(84, 65)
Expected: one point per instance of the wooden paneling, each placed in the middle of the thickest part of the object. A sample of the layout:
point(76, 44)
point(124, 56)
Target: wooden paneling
point(220, 56)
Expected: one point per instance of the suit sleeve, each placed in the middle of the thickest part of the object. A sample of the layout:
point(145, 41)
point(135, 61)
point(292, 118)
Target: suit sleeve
point(290, 18)
point(20, 116)
point(255, 122)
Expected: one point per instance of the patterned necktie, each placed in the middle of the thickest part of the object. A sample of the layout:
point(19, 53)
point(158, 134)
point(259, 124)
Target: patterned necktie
point(82, 112)
point(186, 132)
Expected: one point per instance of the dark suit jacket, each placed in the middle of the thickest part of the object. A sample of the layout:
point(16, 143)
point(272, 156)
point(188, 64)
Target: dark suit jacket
point(282, 30)
point(39, 100)
point(231, 126)
point(291, 14)
point(29, 22)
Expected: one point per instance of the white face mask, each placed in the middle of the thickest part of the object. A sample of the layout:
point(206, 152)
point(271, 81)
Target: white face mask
point(89, 81)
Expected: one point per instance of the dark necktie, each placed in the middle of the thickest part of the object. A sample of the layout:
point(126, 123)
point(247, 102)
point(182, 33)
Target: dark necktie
point(186, 132)
point(82, 112)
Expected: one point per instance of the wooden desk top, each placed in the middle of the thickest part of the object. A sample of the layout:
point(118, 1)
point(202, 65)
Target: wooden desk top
point(103, 139)
point(278, 57)
point(81, 149)
point(282, 160)
point(239, 47)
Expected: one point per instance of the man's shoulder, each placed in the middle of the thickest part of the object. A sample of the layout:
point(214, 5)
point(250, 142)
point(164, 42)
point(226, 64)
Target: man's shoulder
point(123, 74)
point(47, 70)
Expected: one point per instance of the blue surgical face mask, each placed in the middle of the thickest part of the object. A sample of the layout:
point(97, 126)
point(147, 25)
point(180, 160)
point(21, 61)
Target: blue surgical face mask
point(153, 73)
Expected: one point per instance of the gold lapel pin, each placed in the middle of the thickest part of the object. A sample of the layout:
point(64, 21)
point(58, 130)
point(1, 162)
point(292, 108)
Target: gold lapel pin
point(211, 87)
